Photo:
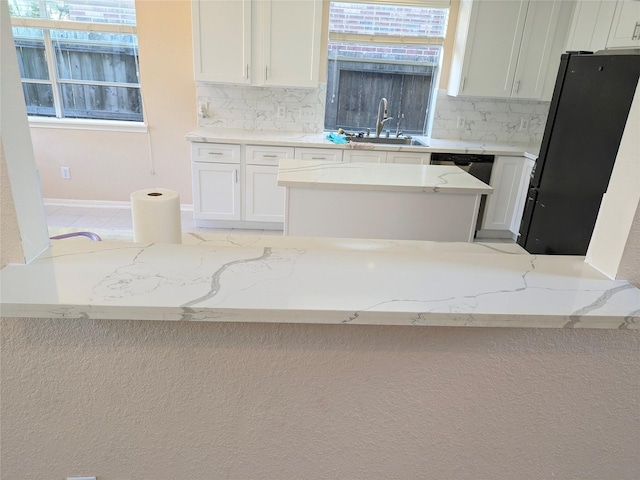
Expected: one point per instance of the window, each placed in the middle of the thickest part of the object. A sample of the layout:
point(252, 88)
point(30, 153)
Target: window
point(78, 58)
point(389, 50)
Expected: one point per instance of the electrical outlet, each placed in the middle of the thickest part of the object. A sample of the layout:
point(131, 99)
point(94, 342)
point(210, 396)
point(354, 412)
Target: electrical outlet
point(203, 109)
point(281, 111)
point(65, 172)
point(460, 123)
point(307, 114)
point(524, 124)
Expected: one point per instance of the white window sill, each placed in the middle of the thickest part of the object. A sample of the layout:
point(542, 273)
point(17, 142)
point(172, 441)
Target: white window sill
point(84, 124)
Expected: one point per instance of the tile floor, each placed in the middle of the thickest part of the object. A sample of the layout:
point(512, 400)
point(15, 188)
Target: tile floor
point(115, 223)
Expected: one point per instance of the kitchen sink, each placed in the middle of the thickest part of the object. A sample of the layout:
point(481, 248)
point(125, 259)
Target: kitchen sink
point(388, 140)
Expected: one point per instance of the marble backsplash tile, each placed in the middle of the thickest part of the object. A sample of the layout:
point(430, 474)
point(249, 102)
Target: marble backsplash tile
point(261, 108)
point(302, 110)
point(489, 119)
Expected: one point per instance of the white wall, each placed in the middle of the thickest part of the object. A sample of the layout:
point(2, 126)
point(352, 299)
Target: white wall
point(165, 400)
point(621, 201)
point(108, 165)
point(11, 251)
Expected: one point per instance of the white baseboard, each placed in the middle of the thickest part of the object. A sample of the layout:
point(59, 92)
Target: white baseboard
point(68, 202)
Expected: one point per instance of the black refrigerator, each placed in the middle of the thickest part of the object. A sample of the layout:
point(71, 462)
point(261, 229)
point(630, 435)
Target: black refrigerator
point(587, 115)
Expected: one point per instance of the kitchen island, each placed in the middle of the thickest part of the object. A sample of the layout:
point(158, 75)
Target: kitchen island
point(383, 201)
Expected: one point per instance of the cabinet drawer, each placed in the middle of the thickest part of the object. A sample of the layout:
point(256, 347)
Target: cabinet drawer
point(215, 153)
point(261, 155)
point(409, 157)
point(374, 156)
point(324, 154)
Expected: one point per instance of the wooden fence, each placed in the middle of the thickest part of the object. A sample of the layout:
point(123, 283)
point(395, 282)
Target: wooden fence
point(78, 62)
point(354, 90)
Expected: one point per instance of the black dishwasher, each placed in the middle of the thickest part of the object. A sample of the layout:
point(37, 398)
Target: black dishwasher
point(477, 164)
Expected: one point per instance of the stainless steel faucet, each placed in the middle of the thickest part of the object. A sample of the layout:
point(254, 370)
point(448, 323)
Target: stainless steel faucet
point(383, 116)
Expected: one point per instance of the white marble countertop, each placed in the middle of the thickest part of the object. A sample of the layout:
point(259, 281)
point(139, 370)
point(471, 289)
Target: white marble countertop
point(379, 177)
point(319, 140)
point(250, 278)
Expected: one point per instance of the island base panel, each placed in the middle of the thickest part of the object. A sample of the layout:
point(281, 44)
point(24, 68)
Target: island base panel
point(384, 215)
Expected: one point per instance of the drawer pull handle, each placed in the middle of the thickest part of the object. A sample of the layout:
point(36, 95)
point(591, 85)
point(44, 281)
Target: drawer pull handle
point(318, 158)
point(236, 174)
point(636, 33)
point(216, 153)
point(269, 156)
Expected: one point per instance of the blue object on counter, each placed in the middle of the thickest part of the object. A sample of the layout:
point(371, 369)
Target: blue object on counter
point(336, 138)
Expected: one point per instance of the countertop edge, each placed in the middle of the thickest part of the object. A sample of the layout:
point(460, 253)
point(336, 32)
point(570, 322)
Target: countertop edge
point(309, 174)
point(318, 140)
point(318, 317)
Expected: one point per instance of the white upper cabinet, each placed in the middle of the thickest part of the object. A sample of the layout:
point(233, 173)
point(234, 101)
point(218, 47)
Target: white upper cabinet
point(221, 40)
point(291, 42)
point(605, 24)
point(590, 25)
point(257, 42)
point(625, 29)
point(508, 49)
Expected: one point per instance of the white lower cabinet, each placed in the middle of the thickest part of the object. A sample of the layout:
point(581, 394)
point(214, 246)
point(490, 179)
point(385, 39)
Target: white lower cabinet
point(324, 154)
point(377, 156)
point(236, 186)
point(409, 157)
point(264, 199)
point(374, 156)
point(266, 155)
point(216, 191)
point(509, 179)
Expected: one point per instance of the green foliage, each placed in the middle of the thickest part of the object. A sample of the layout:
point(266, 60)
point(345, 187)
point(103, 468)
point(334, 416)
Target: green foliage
point(22, 8)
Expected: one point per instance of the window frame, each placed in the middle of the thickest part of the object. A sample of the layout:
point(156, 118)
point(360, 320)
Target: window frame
point(59, 121)
point(402, 40)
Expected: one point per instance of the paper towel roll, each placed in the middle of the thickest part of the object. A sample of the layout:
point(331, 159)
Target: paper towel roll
point(156, 216)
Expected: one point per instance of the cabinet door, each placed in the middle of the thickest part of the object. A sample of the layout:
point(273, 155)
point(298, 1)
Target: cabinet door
point(374, 156)
point(265, 200)
point(493, 31)
point(590, 25)
point(625, 30)
point(505, 179)
point(409, 157)
point(536, 47)
point(216, 191)
point(221, 40)
point(264, 155)
point(324, 154)
point(291, 42)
